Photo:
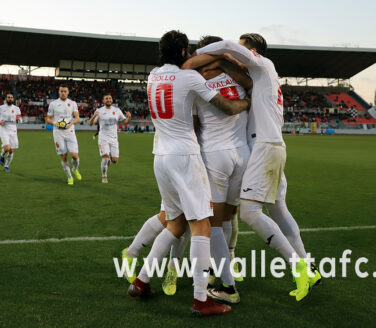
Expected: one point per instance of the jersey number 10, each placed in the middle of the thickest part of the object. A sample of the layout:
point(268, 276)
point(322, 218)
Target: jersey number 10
point(163, 100)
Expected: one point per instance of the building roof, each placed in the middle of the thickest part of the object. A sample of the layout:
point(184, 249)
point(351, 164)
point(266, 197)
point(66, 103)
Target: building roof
point(45, 48)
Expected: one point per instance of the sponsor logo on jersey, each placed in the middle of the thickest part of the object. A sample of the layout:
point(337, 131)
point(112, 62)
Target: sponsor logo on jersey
point(68, 105)
point(113, 113)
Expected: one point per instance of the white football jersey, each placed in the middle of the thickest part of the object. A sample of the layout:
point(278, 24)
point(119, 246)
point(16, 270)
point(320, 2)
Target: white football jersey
point(108, 121)
point(171, 94)
point(9, 114)
point(219, 131)
point(266, 115)
point(62, 109)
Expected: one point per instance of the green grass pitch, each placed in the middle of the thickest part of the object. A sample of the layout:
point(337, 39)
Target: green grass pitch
point(331, 183)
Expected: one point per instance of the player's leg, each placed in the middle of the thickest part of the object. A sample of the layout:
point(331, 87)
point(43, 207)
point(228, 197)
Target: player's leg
point(5, 142)
point(260, 185)
point(61, 149)
point(13, 139)
point(200, 254)
point(195, 197)
point(114, 152)
point(230, 225)
point(148, 232)
point(219, 166)
point(282, 216)
point(169, 284)
point(72, 146)
point(104, 152)
point(234, 230)
point(163, 168)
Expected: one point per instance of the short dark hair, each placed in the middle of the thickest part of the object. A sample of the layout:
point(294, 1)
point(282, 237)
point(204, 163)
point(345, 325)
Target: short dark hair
point(208, 39)
point(107, 94)
point(171, 45)
point(254, 40)
point(63, 85)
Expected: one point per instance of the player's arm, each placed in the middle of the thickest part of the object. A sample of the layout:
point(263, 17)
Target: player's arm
point(75, 121)
point(127, 117)
point(240, 53)
point(231, 107)
point(199, 61)
point(49, 119)
point(237, 74)
point(93, 118)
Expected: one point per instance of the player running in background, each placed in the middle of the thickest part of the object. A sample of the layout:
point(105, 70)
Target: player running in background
point(179, 170)
point(9, 115)
point(108, 117)
point(65, 110)
point(225, 153)
point(264, 181)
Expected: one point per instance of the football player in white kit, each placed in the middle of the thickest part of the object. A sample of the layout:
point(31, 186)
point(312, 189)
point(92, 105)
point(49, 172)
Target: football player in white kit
point(9, 115)
point(225, 153)
point(178, 166)
point(264, 181)
point(65, 109)
point(108, 117)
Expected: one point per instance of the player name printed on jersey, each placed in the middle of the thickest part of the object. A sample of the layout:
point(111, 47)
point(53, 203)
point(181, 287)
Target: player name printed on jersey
point(219, 131)
point(171, 94)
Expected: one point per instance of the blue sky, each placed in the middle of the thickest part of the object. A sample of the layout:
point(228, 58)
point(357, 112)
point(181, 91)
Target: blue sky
point(325, 23)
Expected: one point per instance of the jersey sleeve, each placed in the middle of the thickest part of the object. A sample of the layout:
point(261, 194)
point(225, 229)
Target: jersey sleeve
point(198, 85)
point(121, 115)
point(241, 53)
point(75, 107)
point(18, 111)
point(50, 111)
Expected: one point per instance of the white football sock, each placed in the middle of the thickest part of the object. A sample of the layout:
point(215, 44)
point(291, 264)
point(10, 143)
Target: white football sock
point(104, 166)
point(282, 216)
point(75, 164)
point(159, 250)
point(9, 159)
point(251, 213)
point(66, 169)
point(219, 250)
point(234, 235)
point(178, 248)
point(227, 231)
point(2, 152)
point(200, 249)
point(149, 231)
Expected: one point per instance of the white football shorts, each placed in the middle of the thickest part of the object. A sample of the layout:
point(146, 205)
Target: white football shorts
point(225, 171)
point(108, 148)
point(263, 179)
point(184, 186)
point(65, 141)
point(9, 138)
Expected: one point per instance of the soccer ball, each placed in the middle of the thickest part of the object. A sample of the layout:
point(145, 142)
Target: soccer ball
point(62, 124)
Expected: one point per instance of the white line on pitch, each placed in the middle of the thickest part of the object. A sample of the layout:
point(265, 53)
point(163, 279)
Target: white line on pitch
point(60, 240)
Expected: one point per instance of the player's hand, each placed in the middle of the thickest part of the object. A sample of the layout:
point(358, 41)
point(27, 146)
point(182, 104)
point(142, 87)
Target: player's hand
point(68, 125)
point(57, 125)
point(2, 122)
point(128, 115)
